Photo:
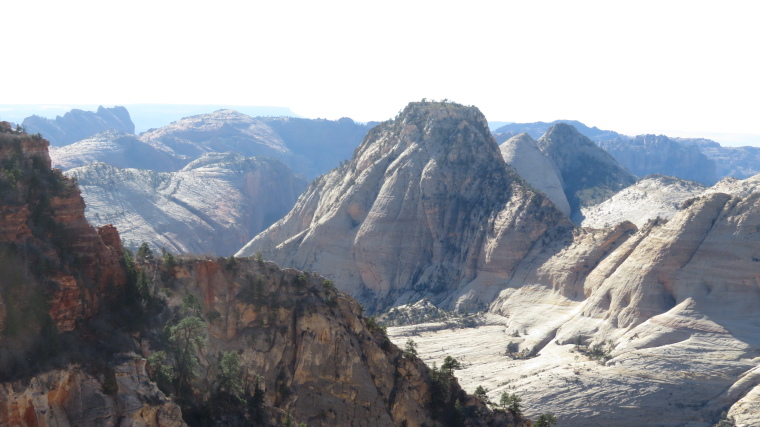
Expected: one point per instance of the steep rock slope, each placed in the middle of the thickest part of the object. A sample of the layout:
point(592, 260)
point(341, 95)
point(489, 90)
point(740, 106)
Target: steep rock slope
point(650, 154)
point(625, 328)
point(214, 205)
point(589, 174)
point(78, 124)
point(654, 196)
point(522, 154)
point(117, 149)
point(425, 208)
point(316, 357)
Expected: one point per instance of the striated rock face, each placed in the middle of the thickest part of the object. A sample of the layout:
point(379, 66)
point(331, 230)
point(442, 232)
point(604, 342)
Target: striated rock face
point(656, 326)
point(425, 208)
point(654, 196)
point(212, 206)
point(589, 175)
point(75, 397)
point(522, 154)
point(77, 124)
point(117, 149)
point(46, 229)
point(317, 357)
point(658, 154)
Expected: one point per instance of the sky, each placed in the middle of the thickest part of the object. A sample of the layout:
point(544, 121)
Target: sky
point(682, 68)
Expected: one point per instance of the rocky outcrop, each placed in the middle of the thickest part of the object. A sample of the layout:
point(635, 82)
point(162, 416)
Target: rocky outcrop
point(425, 208)
point(212, 206)
point(316, 356)
point(589, 175)
point(522, 154)
point(77, 397)
point(658, 154)
point(630, 327)
point(117, 149)
point(46, 229)
point(77, 125)
point(652, 197)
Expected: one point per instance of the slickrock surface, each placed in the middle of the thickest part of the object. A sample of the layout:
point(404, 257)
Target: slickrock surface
point(672, 309)
point(654, 196)
point(425, 208)
point(117, 149)
point(212, 206)
point(522, 154)
point(589, 174)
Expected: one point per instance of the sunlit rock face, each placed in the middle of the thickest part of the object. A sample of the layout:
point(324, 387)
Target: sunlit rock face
point(214, 205)
point(427, 207)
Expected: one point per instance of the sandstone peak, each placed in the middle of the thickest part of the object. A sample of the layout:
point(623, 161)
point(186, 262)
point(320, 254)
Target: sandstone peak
point(431, 189)
point(589, 174)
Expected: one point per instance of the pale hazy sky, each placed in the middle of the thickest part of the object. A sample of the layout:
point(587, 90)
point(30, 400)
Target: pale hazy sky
point(669, 67)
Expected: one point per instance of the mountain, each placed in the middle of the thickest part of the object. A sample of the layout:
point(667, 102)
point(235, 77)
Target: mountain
point(589, 175)
point(76, 125)
point(737, 162)
point(118, 149)
point(309, 147)
point(537, 129)
point(650, 154)
point(93, 335)
point(213, 205)
point(629, 326)
point(521, 152)
point(426, 208)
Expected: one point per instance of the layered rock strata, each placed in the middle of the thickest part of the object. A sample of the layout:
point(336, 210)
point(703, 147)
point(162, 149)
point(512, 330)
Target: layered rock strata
point(425, 208)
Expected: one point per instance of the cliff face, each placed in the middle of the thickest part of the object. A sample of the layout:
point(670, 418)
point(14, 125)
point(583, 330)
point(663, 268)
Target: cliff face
point(316, 357)
point(75, 397)
point(425, 208)
point(78, 124)
point(650, 154)
point(212, 206)
point(45, 228)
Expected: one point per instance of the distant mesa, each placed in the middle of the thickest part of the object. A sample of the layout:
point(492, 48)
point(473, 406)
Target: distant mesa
point(76, 125)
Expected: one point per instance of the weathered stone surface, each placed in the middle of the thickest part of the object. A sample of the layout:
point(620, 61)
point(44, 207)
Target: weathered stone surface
point(425, 208)
point(317, 356)
point(74, 397)
point(212, 206)
point(589, 174)
point(652, 197)
point(522, 154)
point(672, 307)
point(117, 149)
